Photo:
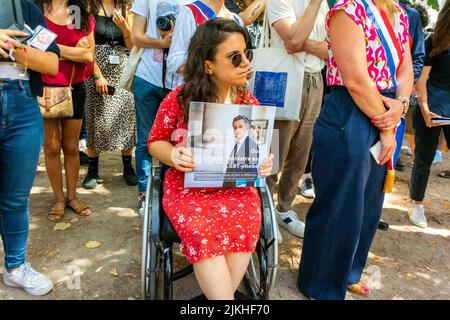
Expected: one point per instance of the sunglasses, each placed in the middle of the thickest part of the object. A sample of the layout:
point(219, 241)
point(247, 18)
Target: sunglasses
point(236, 57)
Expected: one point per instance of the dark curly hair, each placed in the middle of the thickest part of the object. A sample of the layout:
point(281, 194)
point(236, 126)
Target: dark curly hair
point(203, 46)
point(82, 4)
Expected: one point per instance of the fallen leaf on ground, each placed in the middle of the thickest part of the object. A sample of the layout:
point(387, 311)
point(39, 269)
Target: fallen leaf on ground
point(52, 253)
point(92, 244)
point(130, 274)
point(114, 272)
point(74, 220)
point(378, 260)
point(61, 226)
point(410, 276)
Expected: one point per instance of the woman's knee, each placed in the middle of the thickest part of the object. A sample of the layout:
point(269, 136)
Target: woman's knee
point(52, 148)
point(70, 149)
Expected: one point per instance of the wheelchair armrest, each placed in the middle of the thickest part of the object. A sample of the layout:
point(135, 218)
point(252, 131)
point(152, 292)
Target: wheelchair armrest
point(266, 218)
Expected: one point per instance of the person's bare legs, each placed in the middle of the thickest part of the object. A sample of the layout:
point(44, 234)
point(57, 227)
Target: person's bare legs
point(52, 152)
point(127, 152)
point(70, 136)
point(214, 278)
point(91, 153)
point(442, 142)
point(237, 263)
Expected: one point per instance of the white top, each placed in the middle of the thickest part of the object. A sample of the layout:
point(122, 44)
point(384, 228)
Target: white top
point(11, 72)
point(182, 34)
point(280, 9)
point(151, 63)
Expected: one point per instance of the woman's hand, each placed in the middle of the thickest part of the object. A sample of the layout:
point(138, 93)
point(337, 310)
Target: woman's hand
point(101, 85)
point(121, 22)
point(388, 144)
point(389, 119)
point(182, 159)
point(7, 43)
point(84, 43)
point(265, 169)
point(427, 115)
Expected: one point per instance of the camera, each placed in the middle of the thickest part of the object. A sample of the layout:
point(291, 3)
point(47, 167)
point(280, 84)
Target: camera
point(163, 22)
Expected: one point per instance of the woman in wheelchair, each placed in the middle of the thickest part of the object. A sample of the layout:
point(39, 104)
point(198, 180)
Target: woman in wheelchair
point(218, 227)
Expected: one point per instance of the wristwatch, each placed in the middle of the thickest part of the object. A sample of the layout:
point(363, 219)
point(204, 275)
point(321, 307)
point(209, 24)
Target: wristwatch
point(405, 102)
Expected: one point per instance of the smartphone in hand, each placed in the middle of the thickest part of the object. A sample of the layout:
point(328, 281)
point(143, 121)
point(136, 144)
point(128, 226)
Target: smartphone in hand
point(24, 29)
point(111, 90)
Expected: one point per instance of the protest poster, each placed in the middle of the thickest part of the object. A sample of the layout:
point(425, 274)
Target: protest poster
point(229, 143)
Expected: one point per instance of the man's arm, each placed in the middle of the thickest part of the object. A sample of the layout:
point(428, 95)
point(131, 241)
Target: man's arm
point(293, 32)
point(317, 48)
point(142, 40)
point(252, 12)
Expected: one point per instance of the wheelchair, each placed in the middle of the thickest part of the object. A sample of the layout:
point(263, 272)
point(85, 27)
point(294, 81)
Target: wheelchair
point(158, 274)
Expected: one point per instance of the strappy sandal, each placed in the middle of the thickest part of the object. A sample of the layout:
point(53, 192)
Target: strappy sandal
point(56, 215)
point(359, 288)
point(80, 209)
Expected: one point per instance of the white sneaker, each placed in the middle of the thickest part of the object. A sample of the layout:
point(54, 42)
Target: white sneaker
point(30, 280)
point(291, 222)
point(407, 150)
point(417, 216)
point(141, 203)
point(307, 189)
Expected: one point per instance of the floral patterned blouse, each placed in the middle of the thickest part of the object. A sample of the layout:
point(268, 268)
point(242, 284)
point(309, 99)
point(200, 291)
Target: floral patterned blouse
point(375, 53)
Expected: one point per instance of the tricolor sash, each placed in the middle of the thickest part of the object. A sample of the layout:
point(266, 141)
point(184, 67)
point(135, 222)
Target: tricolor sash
point(201, 12)
point(394, 56)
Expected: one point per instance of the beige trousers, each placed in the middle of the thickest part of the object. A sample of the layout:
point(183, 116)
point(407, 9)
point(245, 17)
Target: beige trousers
point(295, 138)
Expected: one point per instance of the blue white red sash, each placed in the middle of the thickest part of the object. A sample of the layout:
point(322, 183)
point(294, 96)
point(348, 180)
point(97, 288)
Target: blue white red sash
point(201, 12)
point(387, 36)
point(394, 56)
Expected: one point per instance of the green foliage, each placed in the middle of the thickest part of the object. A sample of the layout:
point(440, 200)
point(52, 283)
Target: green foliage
point(433, 4)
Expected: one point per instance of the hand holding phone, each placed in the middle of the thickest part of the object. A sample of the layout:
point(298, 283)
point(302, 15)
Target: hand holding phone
point(26, 31)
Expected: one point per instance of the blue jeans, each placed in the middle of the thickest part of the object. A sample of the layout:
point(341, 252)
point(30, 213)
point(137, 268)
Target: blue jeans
point(147, 99)
point(21, 138)
point(342, 221)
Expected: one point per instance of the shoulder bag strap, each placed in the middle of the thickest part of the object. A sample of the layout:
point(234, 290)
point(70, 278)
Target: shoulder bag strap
point(18, 13)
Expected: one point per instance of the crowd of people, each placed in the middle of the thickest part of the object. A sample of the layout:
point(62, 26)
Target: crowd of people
point(202, 51)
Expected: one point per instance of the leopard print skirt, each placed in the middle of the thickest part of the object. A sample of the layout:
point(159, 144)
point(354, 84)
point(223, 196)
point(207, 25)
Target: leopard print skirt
point(110, 120)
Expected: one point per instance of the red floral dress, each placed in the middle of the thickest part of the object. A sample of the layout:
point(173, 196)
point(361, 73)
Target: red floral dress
point(210, 221)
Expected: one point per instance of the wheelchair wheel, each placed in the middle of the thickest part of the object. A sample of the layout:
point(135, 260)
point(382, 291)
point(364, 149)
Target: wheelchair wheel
point(259, 275)
point(152, 271)
point(262, 269)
